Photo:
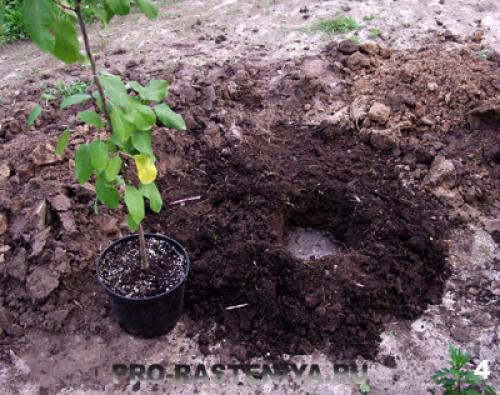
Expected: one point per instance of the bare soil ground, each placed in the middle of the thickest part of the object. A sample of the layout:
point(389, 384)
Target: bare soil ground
point(388, 148)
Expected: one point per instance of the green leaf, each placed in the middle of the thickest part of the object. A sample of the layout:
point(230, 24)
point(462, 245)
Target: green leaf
point(98, 150)
point(469, 391)
point(47, 97)
point(83, 165)
point(67, 47)
point(136, 86)
point(155, 90)
point(2, 13)
point(490, 390)
point(91, 118)
point(458, 358)
point(107, 194)
point(98, 100)
point(131, 223)
point(103, 13)
point(62, 143)
point(141, 140)
point(148, 8)
point(119, 7)
point(169, 118)
point(75, 99)
point(109, 12)
point(151, 192)
point(141, 116)
point(121, 125)
point(34, 114)
point(39, 19)
point(113, 169)
point(114, 89)
point(471, 378)
point(135, 203)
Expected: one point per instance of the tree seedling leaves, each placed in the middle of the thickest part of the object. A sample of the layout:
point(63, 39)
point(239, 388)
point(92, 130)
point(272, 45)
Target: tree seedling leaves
point(75, 99)
point(169, 118)
point(119, 7)
point(107, 194)
point(83, 165)
point(67, 47)
point(155, 90)
point(2, 13)
point(39, 18)
point(131, 223)
point(122, 127)
point(98, 100)
point(62, 143)
point(135, 203)
point(141, 140)
point(114, 89)
point(141, 116)
point(152, 193)
point(148, 8)
point(98, 150)
point(113, 169)
point(91, 118)
point(34, 114)
point(146, 170)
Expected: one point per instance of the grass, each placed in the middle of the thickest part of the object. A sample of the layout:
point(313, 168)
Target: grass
point(369, 17)
point(484, 54)
point(62, 89)
point(374, 33)
point(12, 29)
point(336, 25)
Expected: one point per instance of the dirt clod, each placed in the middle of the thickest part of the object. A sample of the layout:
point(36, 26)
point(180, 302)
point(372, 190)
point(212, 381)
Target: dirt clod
point(41, 283)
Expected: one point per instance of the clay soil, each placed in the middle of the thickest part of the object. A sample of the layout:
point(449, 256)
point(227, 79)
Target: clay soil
point(269, 147)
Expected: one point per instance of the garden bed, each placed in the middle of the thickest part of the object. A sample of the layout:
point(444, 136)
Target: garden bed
point(269, 147)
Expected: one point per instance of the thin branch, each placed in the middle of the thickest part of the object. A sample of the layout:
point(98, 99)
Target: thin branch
point(64, 7)
point(83, 29)
point(189, 199)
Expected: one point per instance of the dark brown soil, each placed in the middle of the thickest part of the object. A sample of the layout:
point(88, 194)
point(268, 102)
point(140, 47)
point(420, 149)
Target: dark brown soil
point(121, 271)
point(392, 267)
point(265, 154)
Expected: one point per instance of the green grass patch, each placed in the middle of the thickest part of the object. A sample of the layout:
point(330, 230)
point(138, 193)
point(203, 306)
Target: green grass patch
point(12, 28)
point(369, 17)
point(374, 33)
point(337, 25)
point(63, 89)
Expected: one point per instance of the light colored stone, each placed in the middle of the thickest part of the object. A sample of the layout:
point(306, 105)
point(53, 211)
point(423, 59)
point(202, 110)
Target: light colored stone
point(38, 242)
point(442, 173)
point(357, 60)
point(379, 113)
point(17, 265)
point(68, 221)
point(41, 283)
point(359, 109)
point(43, 154)
point(60, 202)
point(4, 172)
point(40, 212)
point(3, 223)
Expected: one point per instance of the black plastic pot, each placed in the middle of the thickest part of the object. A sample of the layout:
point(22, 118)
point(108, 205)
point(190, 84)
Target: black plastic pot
point(149, 316)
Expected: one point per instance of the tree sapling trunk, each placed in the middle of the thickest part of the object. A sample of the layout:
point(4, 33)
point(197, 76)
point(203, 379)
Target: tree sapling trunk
point(88, 51)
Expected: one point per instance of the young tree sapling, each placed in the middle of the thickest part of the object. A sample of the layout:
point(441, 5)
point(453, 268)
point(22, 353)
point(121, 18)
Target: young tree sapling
point(127, 118)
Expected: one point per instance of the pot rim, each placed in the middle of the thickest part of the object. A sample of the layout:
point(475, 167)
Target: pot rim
point(176, 245)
